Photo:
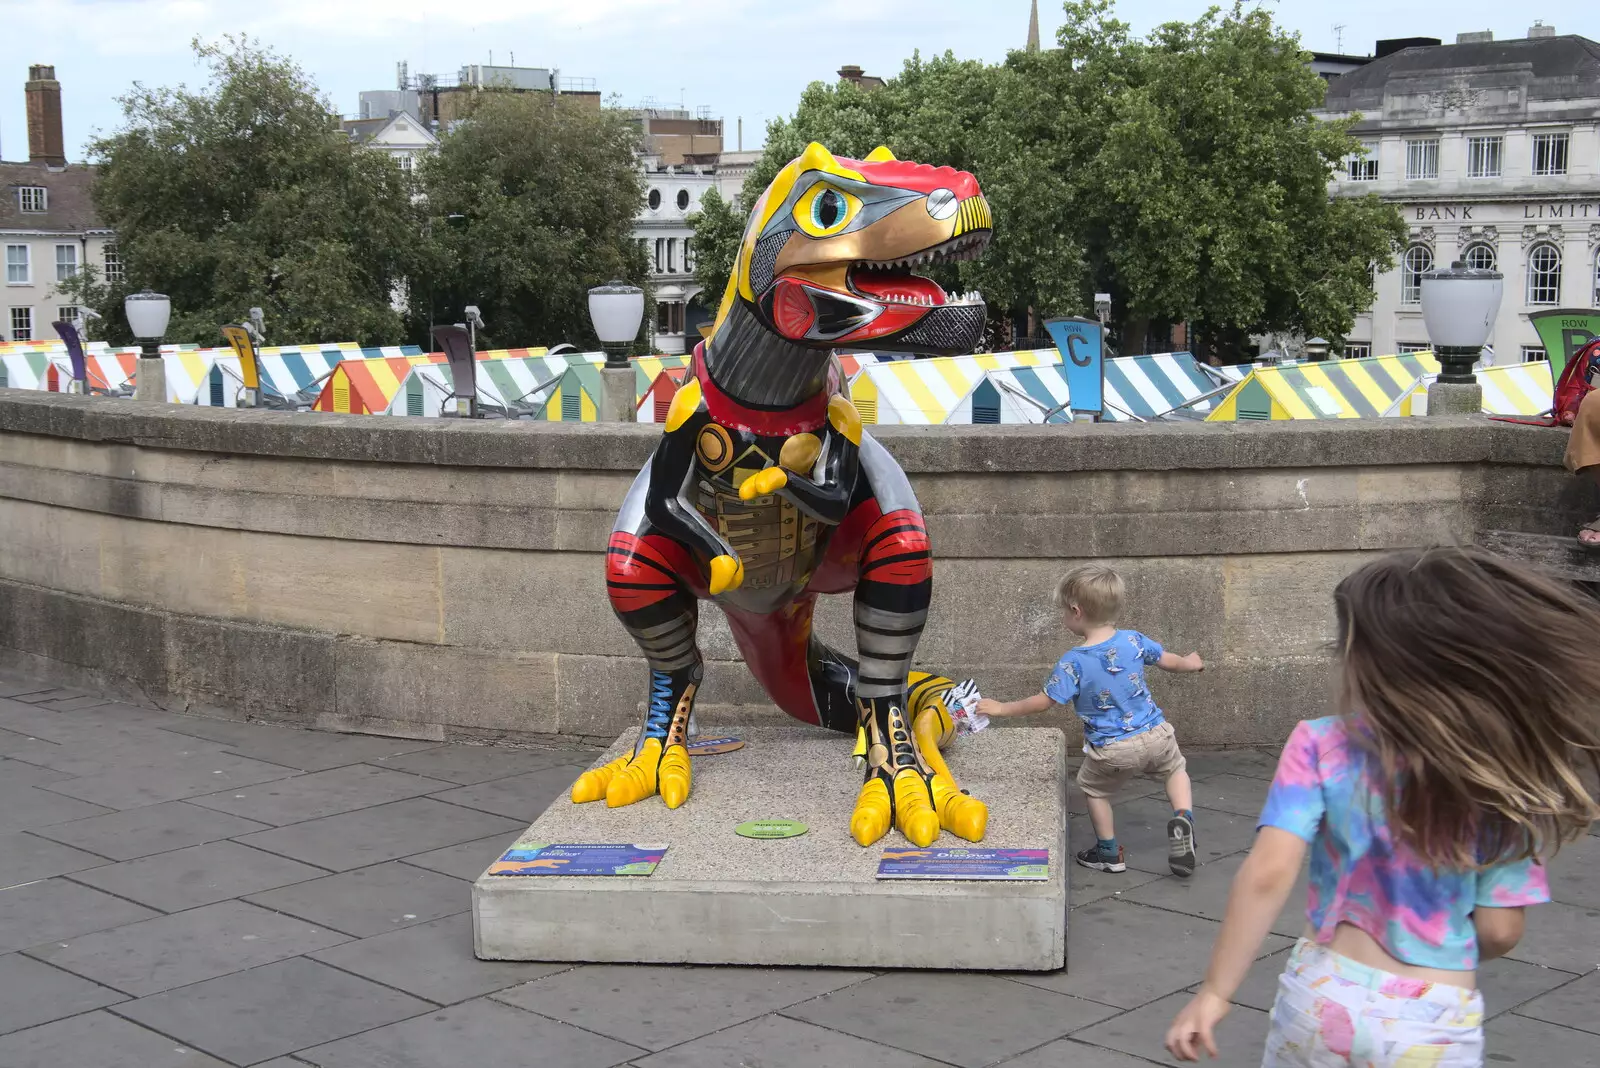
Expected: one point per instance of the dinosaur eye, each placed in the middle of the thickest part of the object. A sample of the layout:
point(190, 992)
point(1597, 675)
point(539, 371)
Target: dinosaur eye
point(825, 210)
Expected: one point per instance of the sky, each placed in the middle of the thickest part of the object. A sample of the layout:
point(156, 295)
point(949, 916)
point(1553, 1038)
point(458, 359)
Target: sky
point(739, 58)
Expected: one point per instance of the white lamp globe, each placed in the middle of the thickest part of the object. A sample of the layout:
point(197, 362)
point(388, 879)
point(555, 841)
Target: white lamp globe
point(617, 310)
point(1459, 305)
point(147, 313)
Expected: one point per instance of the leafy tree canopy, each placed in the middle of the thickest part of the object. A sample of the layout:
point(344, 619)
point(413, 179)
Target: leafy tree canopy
point(1183, 173)
point(245, 194)
point(529, 203)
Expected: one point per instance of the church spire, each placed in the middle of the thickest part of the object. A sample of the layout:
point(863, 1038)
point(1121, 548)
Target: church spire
point(1033, 28)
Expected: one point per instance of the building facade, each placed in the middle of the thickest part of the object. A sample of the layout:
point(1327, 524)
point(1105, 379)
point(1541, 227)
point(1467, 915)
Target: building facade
point(48, 227)
point(672, 194)
point(1491, 149)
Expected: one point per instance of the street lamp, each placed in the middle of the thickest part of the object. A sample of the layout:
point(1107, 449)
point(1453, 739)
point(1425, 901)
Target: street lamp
point(1317, 349)
point(1459, 305)
point(147, 314)
point(1102, 308)
point(617, 310)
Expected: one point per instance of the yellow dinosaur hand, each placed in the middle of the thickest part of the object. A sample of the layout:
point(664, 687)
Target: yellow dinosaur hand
point(763, 482)
point(673, 776)
point(591, 785)
point(727, 573)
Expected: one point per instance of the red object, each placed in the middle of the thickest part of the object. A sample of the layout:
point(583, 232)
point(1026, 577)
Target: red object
point(643, 571)
point(804, 417)
point(1574, 384)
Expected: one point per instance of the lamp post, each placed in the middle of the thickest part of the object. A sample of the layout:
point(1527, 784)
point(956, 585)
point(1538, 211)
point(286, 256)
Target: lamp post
point(617, 310)
point(1459, 305)
point(147, 317)
point(1317, 349)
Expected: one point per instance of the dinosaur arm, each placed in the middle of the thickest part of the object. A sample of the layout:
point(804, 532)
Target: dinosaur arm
point(826, 500)
point(671, 468)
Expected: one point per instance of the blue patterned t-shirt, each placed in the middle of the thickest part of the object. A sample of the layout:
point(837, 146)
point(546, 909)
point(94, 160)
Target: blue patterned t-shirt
point(1105, 684)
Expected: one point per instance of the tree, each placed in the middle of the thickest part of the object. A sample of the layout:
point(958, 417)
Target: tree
point(530, 202)
point(718, 227)
point(247, 194)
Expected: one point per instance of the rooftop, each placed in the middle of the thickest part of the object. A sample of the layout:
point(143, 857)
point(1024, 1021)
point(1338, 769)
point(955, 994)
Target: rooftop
point(69, 206)
point(1557, 68)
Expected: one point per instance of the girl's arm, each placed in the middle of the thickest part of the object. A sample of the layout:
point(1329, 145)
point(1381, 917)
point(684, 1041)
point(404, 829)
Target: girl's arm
point(1499, 930)
point(1174, 662)
point(1260, 890)
point(1028, 706)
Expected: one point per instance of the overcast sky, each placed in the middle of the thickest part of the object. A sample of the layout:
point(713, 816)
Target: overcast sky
point(746, 58)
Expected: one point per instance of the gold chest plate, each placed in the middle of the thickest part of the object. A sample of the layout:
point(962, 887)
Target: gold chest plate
point(774, 539)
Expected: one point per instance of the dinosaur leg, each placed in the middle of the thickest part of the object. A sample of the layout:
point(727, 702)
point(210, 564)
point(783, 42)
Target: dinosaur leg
point(933, 727)
point(645, 580)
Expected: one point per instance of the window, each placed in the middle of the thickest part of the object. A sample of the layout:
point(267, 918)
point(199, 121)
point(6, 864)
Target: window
point(1480, 257)
point(1597, 281)
point(661, 251)
point(17, 266)
point(1550, 153)
point(683, 200)
point(669, 317)
point(66, 262)
point(672, 249)
point(66, 313)
point(113, 260)
point(1533, 354)
point(1357, 350)
point(21, 324)
point(1363, 166)
point(1422, 158)
point(1413, 346)
point(655, 199)
point(1544, 275)
point(688, 254)
point(1418, 262)
point(404, 159)
point(1484, 155)
point(32, 198)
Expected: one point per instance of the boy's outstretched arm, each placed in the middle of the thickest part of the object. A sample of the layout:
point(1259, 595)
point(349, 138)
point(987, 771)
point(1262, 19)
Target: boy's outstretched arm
point(1260, 890)
point(1028, 706)
point(1174, 662)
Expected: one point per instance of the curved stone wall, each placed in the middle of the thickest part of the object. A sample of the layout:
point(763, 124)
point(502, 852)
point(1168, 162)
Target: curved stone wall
point(443, 578)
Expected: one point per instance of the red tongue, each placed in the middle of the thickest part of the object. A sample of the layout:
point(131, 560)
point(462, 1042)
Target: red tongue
point(891, 287)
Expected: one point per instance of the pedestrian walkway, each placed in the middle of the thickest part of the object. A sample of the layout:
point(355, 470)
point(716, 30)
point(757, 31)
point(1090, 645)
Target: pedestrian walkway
point(178, 892)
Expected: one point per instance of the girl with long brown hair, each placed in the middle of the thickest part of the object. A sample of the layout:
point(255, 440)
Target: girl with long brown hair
point(1465, 753)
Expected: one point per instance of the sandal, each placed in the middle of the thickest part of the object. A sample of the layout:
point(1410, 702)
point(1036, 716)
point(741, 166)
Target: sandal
point(1592, 528)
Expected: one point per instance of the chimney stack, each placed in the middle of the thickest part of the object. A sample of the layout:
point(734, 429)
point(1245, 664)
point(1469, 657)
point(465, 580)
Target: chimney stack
point(1539, 29)
point(45, 141)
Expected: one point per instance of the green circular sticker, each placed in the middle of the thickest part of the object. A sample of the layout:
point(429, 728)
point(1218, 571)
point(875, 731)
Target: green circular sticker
point(771, 829)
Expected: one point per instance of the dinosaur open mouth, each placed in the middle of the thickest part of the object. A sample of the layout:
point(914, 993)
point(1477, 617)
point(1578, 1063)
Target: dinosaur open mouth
point(893, 281)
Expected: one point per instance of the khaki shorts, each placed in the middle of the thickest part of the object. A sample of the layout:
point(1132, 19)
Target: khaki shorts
point(1107, 768)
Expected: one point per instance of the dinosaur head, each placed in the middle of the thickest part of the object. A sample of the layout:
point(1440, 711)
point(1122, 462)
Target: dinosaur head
point(827, 259)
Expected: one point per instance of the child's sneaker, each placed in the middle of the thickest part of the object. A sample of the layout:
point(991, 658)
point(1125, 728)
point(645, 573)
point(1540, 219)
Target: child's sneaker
point(1094, 858)
point(1180, 846)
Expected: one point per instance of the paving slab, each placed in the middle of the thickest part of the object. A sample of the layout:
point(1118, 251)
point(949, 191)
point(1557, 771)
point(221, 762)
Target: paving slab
point(1241, 1036)
point(467, 764)
point(197, 773)
point(385, 832)
point(1575, 873)
point(1205, 893)
point(25, 857)
point(434, 961)
point(467, 860)
point(1089, 885)
point(305, 750)
point(18, 773)
point(27, 807)
point(779, 1042)
point(1560, 936)
point(483, 1034)
point(811, 900)
point(1141, 825)
point(1572, 1005)
point(372, 901)
point(1127, 955)
point(138, 832)
point(265, 1012)
point(1518, 1041)
point(321, 793)
point(112, 751)
point(198, 875)
point(1070, 1053)
point(966, 1020)
point(100, 1040)
point(519, 797)
point(53, 909)
point(32, 993)
point(654, 1007)
point(172, 951)
point(1242, 795)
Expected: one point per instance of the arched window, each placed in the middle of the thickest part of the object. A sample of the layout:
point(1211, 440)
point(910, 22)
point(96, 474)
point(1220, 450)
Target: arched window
point(688, 254)
point(1597, 280)
point(1480, 257)
point(1418, 262)
point(1544, 274)
point(655, 199)
point(683, 200)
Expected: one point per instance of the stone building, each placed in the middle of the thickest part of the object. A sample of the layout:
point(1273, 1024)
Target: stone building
point(48, 225)
point(672, 193)
point(1492, 151)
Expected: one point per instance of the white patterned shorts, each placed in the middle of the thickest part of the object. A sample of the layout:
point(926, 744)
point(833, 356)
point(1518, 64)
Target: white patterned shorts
point(1332, 1012)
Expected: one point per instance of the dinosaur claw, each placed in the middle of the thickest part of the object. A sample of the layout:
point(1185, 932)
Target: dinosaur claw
point(592, 784)
point(727, 573)
point(674, 778)
point(637, 780)
point(870, 821)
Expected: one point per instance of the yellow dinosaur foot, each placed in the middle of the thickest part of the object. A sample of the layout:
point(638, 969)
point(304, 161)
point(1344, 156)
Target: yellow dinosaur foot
point(591, 785)
point(637, 780)
point(673, 776)
point(914, 816)
point(961, 814)
point(873, 813)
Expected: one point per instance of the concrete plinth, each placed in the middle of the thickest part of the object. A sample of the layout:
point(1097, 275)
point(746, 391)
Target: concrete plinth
point(619, 401)
point(151, 383)
point(718, 898)
point(1455, 398)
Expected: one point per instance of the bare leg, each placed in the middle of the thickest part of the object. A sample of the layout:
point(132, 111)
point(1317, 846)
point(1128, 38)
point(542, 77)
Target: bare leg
point(1100, 815)
point(1180, 828)
point(1179, 791)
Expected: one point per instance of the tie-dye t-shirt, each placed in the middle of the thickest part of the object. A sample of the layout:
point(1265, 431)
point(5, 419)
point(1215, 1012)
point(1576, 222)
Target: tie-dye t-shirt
point(1105, 683)
point(1361, 876)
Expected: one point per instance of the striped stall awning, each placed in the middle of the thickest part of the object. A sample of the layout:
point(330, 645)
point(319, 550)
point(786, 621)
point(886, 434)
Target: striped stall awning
point(1331, 389)
point(927, 391)
point(1517, 389)
point(1146, 387)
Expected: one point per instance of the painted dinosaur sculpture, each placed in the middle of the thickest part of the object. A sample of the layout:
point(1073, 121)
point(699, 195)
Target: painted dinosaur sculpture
point(764, 491)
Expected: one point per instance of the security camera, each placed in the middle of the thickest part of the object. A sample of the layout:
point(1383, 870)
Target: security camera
point(474, 316)
point(88, 314)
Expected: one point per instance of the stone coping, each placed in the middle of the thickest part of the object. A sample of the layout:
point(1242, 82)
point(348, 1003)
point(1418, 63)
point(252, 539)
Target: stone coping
point(931, 449)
